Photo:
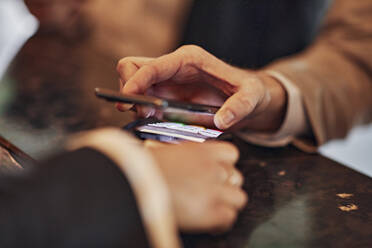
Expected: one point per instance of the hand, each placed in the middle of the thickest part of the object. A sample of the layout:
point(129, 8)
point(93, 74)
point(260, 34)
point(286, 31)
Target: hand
point(204, 185)
point(249, 99)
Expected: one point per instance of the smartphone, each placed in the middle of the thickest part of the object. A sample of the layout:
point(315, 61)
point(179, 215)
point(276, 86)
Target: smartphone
point(172, 132)
point(156, 102)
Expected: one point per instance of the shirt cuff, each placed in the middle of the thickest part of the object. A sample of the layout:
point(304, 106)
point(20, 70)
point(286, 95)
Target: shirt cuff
point(145, 177)
point(294, 124)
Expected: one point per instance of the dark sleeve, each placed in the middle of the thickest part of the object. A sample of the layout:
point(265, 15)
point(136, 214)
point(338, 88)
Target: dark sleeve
point(77, 199)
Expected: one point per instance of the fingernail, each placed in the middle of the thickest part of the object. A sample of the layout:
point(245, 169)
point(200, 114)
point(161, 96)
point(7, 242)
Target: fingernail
point(149, 113)
point(119, 107)
point(225, 118)
point(146, 112)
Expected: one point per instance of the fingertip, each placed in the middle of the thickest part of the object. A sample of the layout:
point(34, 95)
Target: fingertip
point(131, 88)
point(243, 199)
point(123, 107)
point(224, 119)
point(145, 112)
point(226, 219)
point(119, 107)
point(235, 197)
point(218, 122)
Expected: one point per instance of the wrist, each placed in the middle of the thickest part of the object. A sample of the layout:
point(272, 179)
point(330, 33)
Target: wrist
point(275, 111)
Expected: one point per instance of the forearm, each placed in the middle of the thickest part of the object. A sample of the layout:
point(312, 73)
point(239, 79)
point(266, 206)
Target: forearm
point(145, 178)
point(333, 75)
point(336, 92)
point(76, 199)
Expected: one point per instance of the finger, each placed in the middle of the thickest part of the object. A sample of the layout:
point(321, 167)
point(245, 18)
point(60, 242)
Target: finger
point(156, 71)
point(126, 68)
point(236, 107)
point(230, 176)
point(232, 196)
point(223, 152)
point(122, 106)
point(145, 111)
point(224, 172)
point(223, 219)
point(236, 178)
point(121, 84)
point(126, 72)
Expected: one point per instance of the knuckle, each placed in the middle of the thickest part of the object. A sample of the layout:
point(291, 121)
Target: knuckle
point(152, 71)
point(192, 54)
point(245, 99)
point(236, 180)
point(191, 48)
point(123, 63)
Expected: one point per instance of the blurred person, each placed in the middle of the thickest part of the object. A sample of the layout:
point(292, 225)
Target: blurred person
point(109, 190)
point(57, 16)
point(304, 86)
point(16, 26)
point(117, 28)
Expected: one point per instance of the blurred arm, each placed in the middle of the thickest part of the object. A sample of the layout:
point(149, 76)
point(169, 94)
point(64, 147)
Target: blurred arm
point(334, 75)
point(82, 198)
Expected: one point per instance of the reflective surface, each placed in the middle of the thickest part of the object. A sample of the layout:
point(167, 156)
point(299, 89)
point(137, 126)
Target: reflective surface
point(298, 200)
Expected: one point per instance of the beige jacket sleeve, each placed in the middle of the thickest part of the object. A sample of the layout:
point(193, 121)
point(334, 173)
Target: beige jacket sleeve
point(334, 75)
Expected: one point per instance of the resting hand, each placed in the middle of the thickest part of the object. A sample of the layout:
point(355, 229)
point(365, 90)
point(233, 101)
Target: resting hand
point(205, 187)
point(249, 99)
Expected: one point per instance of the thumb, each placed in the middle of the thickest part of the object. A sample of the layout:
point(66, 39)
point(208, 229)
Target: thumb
point(236, 107)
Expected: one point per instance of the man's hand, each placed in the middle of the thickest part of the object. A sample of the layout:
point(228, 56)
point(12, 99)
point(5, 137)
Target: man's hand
point(249, 99)
point(205, 187)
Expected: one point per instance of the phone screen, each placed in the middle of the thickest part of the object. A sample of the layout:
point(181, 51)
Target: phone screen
point(174, 132)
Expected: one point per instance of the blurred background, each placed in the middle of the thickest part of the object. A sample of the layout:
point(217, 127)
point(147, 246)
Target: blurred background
point(53, 53)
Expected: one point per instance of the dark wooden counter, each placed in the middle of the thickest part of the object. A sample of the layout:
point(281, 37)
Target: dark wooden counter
point(296, 199)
